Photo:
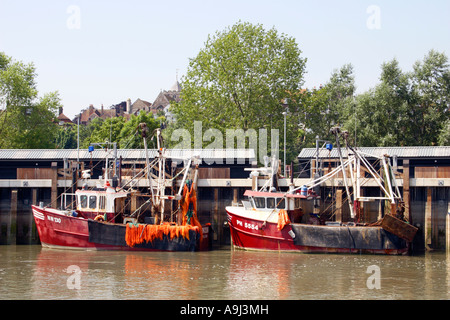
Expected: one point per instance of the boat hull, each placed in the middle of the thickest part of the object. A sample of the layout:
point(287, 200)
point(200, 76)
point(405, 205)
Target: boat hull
point(115, 234)
point(57, 230)
point(257, 234)
point(61, 231)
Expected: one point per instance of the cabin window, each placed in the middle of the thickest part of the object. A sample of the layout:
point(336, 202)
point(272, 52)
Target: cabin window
point(247, 205)
point(83, 201)
point(260, 202)
point(102, 202)
point(281, 203)
point(92, 202)
point(270, 203)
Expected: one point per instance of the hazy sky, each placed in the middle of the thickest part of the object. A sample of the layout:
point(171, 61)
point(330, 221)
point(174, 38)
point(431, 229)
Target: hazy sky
point(104, 52)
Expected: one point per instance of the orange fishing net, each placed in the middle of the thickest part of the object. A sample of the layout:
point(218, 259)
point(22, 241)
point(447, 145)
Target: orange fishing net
point(137, 234)
point(190, 196)
point(283, 219)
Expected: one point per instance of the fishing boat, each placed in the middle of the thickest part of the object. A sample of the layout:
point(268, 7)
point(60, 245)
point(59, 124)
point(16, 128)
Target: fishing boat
point(285, 221)
point(113, 217)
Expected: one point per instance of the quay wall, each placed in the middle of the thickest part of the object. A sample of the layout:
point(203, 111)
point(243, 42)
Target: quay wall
point(428, 205)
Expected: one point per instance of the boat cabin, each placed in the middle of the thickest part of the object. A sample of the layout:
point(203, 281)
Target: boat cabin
point(268, 201)
point(99, 201)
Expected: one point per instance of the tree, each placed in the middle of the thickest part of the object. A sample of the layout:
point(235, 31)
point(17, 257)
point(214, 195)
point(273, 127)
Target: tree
point(444, 136)
point(239, 80)
point(125, 133)
point(340, 90)
point(103, 130)
point(405, 108)
point(318, 110)
point(66, 137)
point(379, 116)
point(26, 120)
point(430, 103)
point(130, 136)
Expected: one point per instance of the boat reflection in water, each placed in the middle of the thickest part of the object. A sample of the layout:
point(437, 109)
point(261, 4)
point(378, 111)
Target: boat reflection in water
point(41, 273)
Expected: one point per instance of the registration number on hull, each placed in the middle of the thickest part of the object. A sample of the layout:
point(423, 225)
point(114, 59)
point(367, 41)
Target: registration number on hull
point(247, 225)
point(54, 219)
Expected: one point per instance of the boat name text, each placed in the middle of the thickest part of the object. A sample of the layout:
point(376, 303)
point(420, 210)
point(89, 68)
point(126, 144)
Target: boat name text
point(54, 219)
point(247, 225)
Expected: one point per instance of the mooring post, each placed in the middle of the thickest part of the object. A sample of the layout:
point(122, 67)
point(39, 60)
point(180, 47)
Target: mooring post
point(216, 215)
point(447, 229)
point(12, 239)
point(235, 197)
point(54, 188)
point(339, 205)
point(428, 222)
point(406, 194)
point(31, 223)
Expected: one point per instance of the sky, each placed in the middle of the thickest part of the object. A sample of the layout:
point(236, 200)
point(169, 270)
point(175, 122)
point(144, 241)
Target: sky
point(105, 52)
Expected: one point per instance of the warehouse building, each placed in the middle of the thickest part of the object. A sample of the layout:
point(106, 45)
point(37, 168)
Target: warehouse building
point(32, 176)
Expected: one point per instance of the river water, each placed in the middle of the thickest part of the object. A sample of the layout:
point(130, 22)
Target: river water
point(33, 272)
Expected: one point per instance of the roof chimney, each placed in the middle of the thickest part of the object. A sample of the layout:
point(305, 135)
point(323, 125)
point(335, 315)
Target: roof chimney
point(129, 106)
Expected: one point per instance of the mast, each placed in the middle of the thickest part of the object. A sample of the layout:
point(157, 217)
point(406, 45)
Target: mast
point(336, 132)
point(114, 167)
point(161, 175)
point(144, 133)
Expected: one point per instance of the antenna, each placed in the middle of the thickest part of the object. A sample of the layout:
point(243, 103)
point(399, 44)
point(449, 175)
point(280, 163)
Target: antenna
point(354, 113)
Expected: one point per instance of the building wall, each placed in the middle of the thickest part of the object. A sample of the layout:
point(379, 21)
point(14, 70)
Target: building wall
point(440, 199)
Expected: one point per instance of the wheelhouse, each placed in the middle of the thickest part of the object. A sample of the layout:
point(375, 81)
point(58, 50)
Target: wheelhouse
point(272, 200)
point(100, 201)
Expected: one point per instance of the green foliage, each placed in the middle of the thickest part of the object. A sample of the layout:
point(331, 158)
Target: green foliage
point(405, 109)
point(239, 79)
point(378, 114)
point(26, 120)
point(130, 135)
point(318, 110)
point(430, 98)
point(444, 136)
point(245, 77)
point(104, 130)
point(125, 133)
point(66, 137)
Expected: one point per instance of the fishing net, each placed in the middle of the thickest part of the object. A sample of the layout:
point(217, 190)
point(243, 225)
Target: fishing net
point(138, 233)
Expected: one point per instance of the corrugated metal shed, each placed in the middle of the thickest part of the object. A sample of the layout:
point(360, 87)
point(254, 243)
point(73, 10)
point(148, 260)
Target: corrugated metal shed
point(400, 152)
point(133, 154)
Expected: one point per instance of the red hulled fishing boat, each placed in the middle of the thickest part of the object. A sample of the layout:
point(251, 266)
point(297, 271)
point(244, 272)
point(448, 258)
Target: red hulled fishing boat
point(112, 217)
point(283, 221)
